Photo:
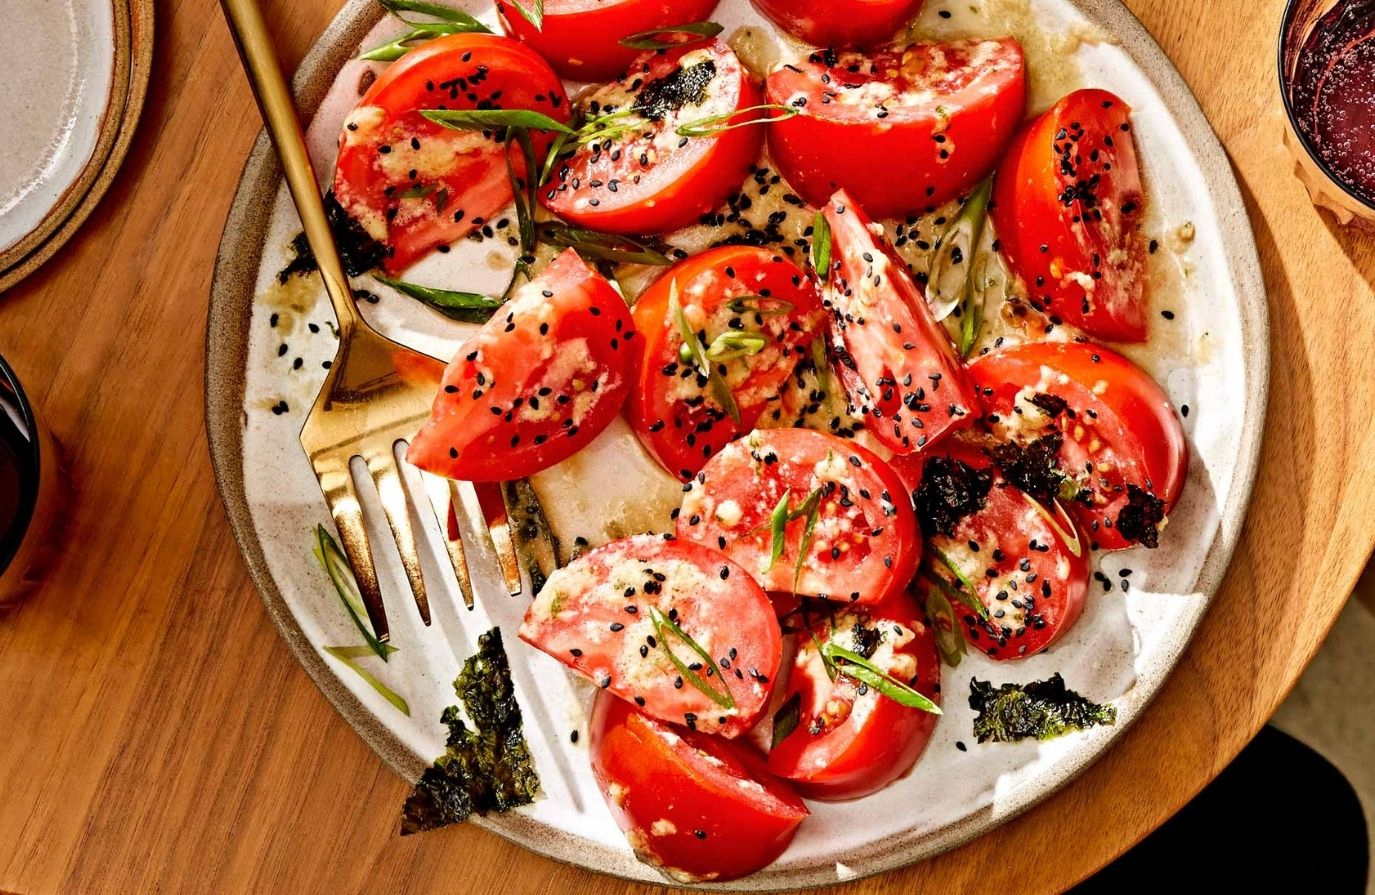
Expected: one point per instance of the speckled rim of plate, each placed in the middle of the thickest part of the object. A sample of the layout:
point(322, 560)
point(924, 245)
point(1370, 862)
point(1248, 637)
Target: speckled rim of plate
point(232, 294)
point(129, 88)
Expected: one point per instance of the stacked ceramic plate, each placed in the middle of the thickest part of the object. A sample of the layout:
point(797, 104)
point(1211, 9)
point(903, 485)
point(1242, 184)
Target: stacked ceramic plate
point(70, 112)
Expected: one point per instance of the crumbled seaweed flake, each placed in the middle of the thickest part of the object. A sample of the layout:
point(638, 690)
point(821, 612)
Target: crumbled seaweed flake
point(1140, 519)
point(949, 491)
point(487, 767)
point(1053, 405)
point(867, 639)
point(1034, 468)
point(1039, 710)
point(682, 87)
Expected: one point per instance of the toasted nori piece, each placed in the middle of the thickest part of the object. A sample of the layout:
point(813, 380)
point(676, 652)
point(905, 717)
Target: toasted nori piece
point(484, 769)
point(949, 491)
point(1034, 468)
point(1140, 519)
point(1040, 710)
point(683, 87)
point(359, 251)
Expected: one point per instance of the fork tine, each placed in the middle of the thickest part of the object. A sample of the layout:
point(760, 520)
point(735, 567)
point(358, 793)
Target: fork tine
point(453, 539)
point(382, 465)
point(493, 507)
point(336, 482)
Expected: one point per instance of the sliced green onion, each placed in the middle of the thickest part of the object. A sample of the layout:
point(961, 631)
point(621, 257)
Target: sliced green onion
point(350, 655)
point(719, 389)
point(966, 593)
point(822, 364)
point(534, 15)
point(754, 304)
point(439, 11)
point(419, 191)
point(1062, 525)
point(465, 307)
point(786, 719)
point(600, 246)
point(719, 124)
point(336, 566)
point(733, 345)
point(821, 247)
point(949, 641)
point(778, 530)
point(947, 286)
point(697, 32)
point(861, 669)
point(395, 49)
point(811, 507)
point(491, 119)
point(663, 626)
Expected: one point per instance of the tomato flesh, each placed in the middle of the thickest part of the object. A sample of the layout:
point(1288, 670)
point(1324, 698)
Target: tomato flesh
point(726, 293)
point(414, 185)
point(581, 38)
point(864, 547)
point(1068, 208)
point(850, 740)
point(896, 362)
point(1120, 431)
point(649, 178)
point(699, 807)
point(858, 23)
point(539, 381)
point(597, 616)
point(903, 131)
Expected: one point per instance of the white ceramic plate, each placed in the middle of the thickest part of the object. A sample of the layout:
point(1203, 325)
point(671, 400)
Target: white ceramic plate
point(1212, 358)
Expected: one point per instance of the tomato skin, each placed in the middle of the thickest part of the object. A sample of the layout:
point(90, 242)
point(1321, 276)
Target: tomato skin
point(666, 785)
point(583, 618)
point(1048, 582)
point(859, 24)
point(896, 362)
point(683, 433)
point(1130, 417)
point(1048, 242)
point(581, 38)
point(575, 343)
point(878, 740)
point(678, 183)
point(863, 552)
point(385, 138)
point(915, 157)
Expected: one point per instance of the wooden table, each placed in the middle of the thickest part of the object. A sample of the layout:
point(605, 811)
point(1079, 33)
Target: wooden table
point(158, 734)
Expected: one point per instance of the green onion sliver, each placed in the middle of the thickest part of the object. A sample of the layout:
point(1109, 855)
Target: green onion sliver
point(864, 671)
point(663, 626)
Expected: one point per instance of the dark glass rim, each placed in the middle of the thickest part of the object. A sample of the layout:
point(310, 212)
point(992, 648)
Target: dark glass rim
point(1291, 9)
point(11, 540)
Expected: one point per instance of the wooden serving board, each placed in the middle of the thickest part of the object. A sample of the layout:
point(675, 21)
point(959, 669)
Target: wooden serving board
point(158, 733)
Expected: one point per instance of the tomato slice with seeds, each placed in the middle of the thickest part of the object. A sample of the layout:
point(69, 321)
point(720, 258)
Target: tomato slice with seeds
point(1123, 442)
point(620, 614)
point(1026, 564)
point(748, 306)
point(903, 130)
point(582, 38)
point(700, 808)
point(864, 544)
point(897, 364)
point(1068, 207)
point(848, 739)
point(648, 178)
point(414, 185)
point(858, 23)
point(537, 383)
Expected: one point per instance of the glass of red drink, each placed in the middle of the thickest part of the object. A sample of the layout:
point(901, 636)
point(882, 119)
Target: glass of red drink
point(33, 492)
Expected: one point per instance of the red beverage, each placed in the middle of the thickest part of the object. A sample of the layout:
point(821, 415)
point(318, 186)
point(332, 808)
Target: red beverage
point(33, 493)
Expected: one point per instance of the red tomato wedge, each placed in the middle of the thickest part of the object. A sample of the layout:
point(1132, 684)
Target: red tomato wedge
point(752, 309)
point(633, 615)
point(701, 808)
point(649, 178)
point(901, 130)
point(537, 383)
point(857, 23)
point(1068, 206)
point(896, 362)
point(1027, 565)
point(582, 38)
point(414, 185)
point(1122, 440)
point(864, 544)
point(849, 740)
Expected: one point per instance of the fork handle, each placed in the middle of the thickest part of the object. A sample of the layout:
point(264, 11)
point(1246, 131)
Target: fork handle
point(279, 112)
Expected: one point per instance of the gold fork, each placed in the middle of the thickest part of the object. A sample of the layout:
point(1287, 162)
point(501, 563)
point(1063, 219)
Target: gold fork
point(366, 407)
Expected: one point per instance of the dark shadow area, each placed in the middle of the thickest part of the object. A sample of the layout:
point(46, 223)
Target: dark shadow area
point(1280, 818)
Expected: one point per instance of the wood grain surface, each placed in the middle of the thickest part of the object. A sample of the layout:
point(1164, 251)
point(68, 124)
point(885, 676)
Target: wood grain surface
point(157, 734)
